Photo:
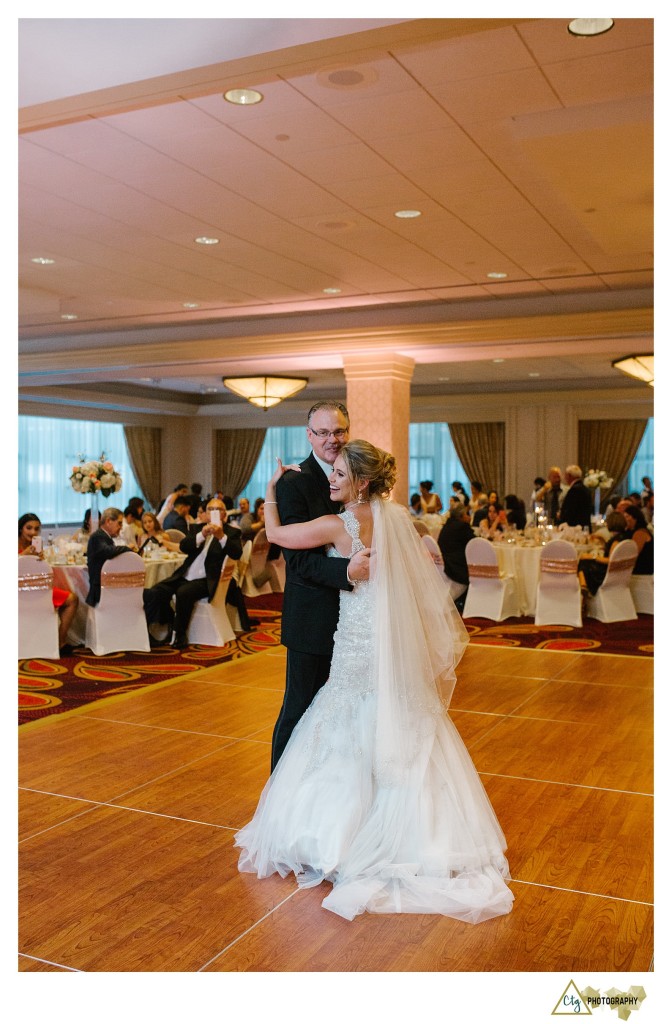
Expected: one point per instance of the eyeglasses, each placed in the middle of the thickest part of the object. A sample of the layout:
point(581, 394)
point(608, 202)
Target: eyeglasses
point(324, 434)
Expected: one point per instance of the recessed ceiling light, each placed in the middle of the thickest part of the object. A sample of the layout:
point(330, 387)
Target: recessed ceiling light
point(190, 305)
point(497, 275)
point(331, 291)
point(243, 97)
point(68, 316)
point(212, 391)
point(534, 375)
point(498, 360)
point(44, 260)
point(590, 26)
point(408, 214)
point(204, 240)
point(442, 379)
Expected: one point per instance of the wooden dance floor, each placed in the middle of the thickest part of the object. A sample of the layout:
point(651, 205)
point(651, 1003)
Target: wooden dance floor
point(128, 809)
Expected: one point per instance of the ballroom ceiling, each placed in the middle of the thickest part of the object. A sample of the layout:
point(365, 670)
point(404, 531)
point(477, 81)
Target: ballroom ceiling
point(526, 151)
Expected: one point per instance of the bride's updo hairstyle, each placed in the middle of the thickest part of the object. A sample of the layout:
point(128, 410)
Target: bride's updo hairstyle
point(363, 461)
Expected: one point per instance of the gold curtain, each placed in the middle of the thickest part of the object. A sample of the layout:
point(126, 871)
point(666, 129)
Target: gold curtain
point(480, 449)
point(235, 454)
point(144, 450)
point(610, 445)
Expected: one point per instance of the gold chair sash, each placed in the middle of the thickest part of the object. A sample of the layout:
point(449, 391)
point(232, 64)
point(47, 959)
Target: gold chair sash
point(484, 571)
point(114, 580)
point(35, 581)
point(568, 565)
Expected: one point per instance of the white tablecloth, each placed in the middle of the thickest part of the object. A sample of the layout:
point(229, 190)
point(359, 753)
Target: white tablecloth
point(523, 563)
point(76, 579)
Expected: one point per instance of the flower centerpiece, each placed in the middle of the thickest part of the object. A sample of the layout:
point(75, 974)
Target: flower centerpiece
point(597, 479)
point(96, 476)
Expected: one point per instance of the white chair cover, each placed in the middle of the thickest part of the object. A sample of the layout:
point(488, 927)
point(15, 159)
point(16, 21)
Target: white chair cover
point(211, 621)
point(117, 623)
point(641, 588)
point(434, 551)
point(559, 589)
point(491, 595)
point(613, 601)
point(38, 619)
point(258, 567)
point(175, 534)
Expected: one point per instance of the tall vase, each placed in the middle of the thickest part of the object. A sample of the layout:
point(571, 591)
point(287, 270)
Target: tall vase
point(94, 512)
point(597, 503)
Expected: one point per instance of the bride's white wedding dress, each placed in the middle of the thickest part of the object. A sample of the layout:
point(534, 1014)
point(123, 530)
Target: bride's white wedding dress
point(375, 791)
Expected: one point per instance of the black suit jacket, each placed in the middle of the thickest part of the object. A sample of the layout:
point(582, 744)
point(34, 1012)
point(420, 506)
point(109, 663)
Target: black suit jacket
point(453, 539)
point(173, 521)
point(213, 559)
point(577, 505)
point(100, 548)
point(313, 582)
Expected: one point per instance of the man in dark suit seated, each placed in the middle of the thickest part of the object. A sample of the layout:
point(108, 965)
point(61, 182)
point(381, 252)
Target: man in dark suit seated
point(101, 547)
point(577, 505)
point(314, 581)
point(453, 539)
point(206, 546)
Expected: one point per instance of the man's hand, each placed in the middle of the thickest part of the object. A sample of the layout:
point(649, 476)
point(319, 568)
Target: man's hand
point(210, 530)
point(359, 565)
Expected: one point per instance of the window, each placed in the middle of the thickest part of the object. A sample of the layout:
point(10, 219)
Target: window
point(49, 448)
point(288, 443)
point(642, 464)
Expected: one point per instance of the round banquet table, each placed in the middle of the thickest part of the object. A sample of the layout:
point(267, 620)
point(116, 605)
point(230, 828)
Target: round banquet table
point(523, 562)
point(76, 578)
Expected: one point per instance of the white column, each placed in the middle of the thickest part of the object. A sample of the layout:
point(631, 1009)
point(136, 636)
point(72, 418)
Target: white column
point(379, 403)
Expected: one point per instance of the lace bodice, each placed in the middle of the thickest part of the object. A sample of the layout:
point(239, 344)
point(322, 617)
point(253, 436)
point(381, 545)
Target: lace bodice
point(351, 524)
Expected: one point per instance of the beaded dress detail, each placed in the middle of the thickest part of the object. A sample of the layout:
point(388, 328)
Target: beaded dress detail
point(427, 842)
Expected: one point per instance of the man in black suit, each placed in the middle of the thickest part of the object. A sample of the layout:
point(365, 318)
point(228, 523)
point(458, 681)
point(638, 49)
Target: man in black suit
point(310, 607)
point(453, 539)
point(100, 548)
point(205, 546)
point(577, 505)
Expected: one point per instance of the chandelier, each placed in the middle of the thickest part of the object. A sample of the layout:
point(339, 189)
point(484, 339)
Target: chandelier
point(640, 367)
point(265, 392)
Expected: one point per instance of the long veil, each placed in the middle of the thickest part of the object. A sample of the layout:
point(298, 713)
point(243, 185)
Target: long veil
point(419, 638)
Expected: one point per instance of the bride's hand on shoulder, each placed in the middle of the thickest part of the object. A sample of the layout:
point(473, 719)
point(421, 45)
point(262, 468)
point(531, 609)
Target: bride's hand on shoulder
point(281, 469)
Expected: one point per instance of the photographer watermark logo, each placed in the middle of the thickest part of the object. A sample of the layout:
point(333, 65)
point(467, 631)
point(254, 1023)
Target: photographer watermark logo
point(590, 999)
point(571, 1002)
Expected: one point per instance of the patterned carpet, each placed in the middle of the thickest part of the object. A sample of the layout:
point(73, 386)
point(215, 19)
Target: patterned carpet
point(49, 687)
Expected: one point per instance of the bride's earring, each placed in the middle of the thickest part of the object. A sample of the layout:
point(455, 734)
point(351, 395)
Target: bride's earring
point(361, 500)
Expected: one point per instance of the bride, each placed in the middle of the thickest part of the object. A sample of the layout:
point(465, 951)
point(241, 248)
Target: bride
point(375, 791)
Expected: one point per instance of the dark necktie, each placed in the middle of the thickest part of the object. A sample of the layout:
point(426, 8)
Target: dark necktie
point(555, 503)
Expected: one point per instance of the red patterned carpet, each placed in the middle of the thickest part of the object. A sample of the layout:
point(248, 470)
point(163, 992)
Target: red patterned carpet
point(51, 687)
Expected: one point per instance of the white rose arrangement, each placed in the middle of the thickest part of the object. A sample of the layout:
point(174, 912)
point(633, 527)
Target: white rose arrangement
point(597, 478)
point(95, 476)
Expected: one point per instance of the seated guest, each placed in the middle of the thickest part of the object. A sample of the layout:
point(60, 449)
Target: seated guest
point(430, 502)
point(515, 511)
point(153, 536)
point(65, 602)
point(636, 530)
point(647, 487)
point(249, 523)
point(179, 518)
point(493, 498)
point(81, 536)
point(478, 498)
point(101, 547)
point(481, 511)
point(494, 522)
point(169, 503)
point(127, 534)
point(205, 546)
point(415, 507)
point(453, 539)
point(577, 505)
point(647, 509)
point(593, 570)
